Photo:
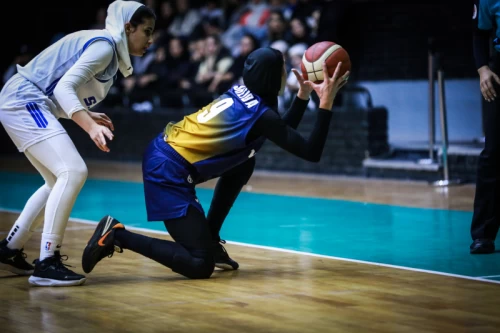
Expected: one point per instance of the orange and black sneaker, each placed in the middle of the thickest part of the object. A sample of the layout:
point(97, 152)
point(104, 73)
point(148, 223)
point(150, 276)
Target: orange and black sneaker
point(102, 243)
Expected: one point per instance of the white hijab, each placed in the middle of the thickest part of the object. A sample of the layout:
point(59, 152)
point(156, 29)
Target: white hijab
point(119, 13)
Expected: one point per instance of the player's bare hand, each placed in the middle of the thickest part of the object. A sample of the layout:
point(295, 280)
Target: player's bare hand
point(102, 119)
point(305, 90)
point(98, 134)
point(486, 81)
point(327, 90)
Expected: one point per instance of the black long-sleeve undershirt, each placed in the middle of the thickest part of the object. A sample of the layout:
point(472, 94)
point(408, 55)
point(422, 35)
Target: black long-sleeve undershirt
point(281, 131)
point(481, 47)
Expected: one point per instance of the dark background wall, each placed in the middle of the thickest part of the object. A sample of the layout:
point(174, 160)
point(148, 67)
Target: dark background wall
point(386, 39)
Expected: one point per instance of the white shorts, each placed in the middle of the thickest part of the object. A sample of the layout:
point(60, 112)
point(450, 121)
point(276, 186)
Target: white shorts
point(26, 113)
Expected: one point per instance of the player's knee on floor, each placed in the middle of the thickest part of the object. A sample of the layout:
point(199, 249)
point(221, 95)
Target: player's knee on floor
point(193, 267)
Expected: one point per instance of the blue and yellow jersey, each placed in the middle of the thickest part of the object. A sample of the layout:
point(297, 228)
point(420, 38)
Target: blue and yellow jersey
point(213, 139)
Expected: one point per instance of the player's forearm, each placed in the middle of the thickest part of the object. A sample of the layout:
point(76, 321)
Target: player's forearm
point(83, 119)
point(296, 111)
point(481, 47)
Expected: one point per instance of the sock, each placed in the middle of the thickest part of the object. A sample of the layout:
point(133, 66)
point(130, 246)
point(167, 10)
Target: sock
point(29, 219)
point(50, 244)
point(18, 236)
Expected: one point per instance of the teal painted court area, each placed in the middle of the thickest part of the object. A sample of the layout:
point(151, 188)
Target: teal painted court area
point(429, 239)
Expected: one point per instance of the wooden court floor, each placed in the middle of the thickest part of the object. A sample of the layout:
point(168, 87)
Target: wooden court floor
point(272, 292)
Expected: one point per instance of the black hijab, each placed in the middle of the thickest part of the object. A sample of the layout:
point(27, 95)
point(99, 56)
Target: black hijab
point(262, 74)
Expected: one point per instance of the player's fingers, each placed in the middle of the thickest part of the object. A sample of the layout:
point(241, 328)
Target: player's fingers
point(325, 71)
point(98, 144)
point(108, 133)
point(489, 89)
point(298, 75)
point(104, 116)
point(311, 84)
point(102, 141)
point(343, 79)
point(337, 72)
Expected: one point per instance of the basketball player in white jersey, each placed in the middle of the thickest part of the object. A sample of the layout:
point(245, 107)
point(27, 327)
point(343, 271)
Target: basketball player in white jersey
point(65, 80)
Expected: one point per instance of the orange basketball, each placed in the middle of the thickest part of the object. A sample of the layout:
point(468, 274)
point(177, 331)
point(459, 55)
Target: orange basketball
point(313, 58)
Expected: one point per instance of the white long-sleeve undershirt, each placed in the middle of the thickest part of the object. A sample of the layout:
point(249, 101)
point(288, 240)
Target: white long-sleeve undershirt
point(96, 57)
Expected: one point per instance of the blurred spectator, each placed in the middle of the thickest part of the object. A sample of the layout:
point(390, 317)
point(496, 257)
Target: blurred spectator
point(300, 32)
point(212, 11)
point(178, 69)
point(223, 82)
point(295, 54)
point(252, 19)
point(185, 21)
point(217, 60)
point(277, 29)
point(24, 56)
point(100, 19)
point(165, 17)
point(148, 84)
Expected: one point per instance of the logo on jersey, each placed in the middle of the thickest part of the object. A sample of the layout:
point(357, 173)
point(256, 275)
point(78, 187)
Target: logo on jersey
point(474, 14)
point(252, 153)
point(47, 246)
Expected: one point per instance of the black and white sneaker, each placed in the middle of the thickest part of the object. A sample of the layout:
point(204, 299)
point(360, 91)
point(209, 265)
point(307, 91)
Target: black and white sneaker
point(51, 272)
point(14, 261)
point(102, 243)
point(222, 259)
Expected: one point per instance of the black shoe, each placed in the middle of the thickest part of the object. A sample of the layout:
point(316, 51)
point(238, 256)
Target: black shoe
point(222, 259)
point(51, 272)
point(102, 243)
point(482, 246)
point(14, 260)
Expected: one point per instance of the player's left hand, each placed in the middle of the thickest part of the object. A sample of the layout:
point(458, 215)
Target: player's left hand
point(304, 89)
point(102, 119)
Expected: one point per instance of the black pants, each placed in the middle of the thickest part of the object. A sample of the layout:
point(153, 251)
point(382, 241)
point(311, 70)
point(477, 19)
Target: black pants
point(190, 255)
point(196, 237)
point(486, 218)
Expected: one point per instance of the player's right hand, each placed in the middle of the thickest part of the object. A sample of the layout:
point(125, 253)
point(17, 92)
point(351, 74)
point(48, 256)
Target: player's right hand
point(327, 90)
point(486, 81)
point(98, 134)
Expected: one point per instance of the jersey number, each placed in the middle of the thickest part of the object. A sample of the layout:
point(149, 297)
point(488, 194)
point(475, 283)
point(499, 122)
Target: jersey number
point(90, 101)
point(214, 110)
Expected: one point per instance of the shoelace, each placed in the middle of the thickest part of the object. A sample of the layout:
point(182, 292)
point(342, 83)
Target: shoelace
point(221, 242)
point(20, 254)
point(59, 262)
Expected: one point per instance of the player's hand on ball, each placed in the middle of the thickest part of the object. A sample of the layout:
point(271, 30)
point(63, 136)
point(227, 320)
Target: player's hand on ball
point(98, 134)
point(327, 90)
point(102, 119)
point(305, 90)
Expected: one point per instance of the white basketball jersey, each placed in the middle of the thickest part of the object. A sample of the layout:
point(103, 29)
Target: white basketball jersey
point(47, 68)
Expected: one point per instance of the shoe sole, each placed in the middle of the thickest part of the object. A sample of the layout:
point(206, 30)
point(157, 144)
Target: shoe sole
point(44, 282)
point(12, 269)
point(226, 267)
point(482, 251)
point(93, 242)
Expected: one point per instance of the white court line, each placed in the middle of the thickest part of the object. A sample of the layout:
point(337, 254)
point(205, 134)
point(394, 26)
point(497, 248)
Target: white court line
point(489, 276)
point(481, 278)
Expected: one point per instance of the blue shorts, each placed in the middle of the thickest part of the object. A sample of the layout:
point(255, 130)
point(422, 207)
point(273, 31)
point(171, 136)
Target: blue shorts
point(169, 182)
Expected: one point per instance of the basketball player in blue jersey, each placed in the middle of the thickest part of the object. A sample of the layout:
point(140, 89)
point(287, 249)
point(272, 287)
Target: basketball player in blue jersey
point(220, 140)
point(65, 81)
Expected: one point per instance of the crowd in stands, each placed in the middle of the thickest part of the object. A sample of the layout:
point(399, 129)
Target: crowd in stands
point(200, 47)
